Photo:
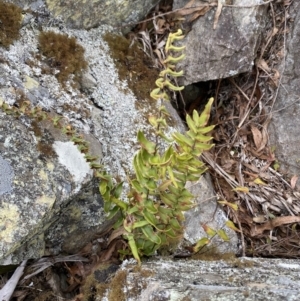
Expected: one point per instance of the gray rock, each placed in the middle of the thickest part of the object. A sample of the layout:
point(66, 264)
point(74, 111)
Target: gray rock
point(6, 175)
point(285, 123)
point(87, 82)
point(228, 50)
point(207, 212)
point(89, 14)
point(38, 189)
point(82, 14)
point(195, 280)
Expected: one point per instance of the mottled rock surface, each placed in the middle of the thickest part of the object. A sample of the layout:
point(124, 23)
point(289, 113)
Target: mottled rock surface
point(233, 279)
point(36, 192)
point(82, 14)
point(6, 176)
point(229, 49)
point(285, 123)
point(94, 13)
point(48, 183)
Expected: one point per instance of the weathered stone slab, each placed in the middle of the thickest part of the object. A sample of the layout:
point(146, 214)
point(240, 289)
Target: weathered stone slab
point(88, 14)
point(195, 280)
point(207, 212)
point(82, 14)
point(229, 49)
point(35, 186)
point(285, 123)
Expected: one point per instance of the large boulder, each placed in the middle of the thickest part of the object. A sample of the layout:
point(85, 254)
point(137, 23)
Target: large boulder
point(227, 50)
point(220, 278)
point(82, 14)
point(285, 123)
point(44, 183)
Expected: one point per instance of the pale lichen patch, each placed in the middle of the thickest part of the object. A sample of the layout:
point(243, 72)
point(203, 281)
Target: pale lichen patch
point(9, 218)
point(50, 166)
point(70, 157)
point(30, 83)
point(43, 175)
point(46, 200)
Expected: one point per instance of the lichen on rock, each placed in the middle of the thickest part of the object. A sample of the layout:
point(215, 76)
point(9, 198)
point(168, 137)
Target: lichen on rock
point(89, 14)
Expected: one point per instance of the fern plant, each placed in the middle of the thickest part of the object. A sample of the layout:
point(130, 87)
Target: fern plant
point(152, 215)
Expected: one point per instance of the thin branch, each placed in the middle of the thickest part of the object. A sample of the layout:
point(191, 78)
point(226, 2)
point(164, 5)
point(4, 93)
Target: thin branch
point(10, 286)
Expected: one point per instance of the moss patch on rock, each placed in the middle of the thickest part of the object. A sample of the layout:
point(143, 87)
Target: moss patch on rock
point(63, 53)
point(133, 65)
point(10, 23)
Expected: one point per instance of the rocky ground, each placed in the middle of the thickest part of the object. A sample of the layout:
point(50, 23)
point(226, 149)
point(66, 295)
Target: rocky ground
point(261, 200)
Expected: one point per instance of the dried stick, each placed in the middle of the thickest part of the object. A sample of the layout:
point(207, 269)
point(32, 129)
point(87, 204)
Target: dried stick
point(9, 287)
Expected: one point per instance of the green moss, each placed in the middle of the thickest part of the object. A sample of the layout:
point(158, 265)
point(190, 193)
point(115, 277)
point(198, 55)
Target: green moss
point(211, 253)
point(242, 263)
point(186, 298)
point(137, 69)
point(46, 149)
point(45, 141)
point(93, 289)
point(117, 285)
point(64, 54)
point(20, 97)
point(10, 23)
point(133, 65)
point(143, 272)
point(97, 283)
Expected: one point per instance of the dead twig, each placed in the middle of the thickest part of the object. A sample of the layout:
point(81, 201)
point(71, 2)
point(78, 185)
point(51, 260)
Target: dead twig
point(45, 262)
point(217, 14)
point(10, 286)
